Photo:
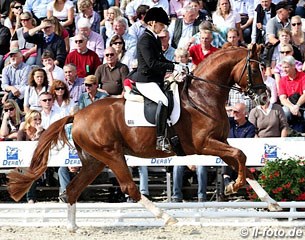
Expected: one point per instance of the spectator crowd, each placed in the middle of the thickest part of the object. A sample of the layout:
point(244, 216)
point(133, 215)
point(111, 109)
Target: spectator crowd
point(58, 56)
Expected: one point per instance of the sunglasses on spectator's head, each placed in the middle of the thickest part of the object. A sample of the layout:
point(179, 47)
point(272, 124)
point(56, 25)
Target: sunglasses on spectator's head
point(9, 109)
point(47, 100)
point(60, 88)
point(109, 54)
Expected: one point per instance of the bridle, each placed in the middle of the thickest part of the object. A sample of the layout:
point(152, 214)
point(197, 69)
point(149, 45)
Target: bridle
point(250, 89)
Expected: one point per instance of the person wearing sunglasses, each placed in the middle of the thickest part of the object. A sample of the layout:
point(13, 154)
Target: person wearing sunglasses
point(85, 60)
point(30, 130)
point(92, 94)
point(49, 114)
point(61, 96)
point(11, 119)
point(111, 74)
point(297, 35)
point(14, 13)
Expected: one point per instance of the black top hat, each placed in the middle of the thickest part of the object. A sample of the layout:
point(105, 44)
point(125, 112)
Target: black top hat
point(156, 14)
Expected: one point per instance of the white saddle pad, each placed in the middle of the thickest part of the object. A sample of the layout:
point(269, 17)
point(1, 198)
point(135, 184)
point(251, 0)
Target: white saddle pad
point(134, 111)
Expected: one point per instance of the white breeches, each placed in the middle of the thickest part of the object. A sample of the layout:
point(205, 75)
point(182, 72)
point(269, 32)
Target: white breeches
point(152, 91)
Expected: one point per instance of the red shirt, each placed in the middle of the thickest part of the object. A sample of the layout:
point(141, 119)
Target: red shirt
point(197, 54)
point(289, 87)
point(86, 64)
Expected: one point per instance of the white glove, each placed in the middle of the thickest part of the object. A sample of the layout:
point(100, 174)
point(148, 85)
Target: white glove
point(181, 68)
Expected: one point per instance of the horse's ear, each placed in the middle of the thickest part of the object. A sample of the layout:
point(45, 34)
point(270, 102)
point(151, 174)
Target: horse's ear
point(255, 50)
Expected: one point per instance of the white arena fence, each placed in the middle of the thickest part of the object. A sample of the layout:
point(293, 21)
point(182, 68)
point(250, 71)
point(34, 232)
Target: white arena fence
point(133, 214)
point(257, 150)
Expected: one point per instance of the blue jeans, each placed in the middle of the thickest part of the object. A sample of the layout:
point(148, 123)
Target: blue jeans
point(300, 11)
point(64, 179)
point(288, 114)
point(202, 178)
point(143, 174)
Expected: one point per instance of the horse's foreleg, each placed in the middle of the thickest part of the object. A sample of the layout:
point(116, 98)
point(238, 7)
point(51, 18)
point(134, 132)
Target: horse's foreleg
point(264, 196)
point(233, 157)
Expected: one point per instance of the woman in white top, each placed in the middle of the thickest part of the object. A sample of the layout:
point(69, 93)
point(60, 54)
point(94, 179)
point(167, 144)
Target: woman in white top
point(62, 103)
point(225, 18)
point(64, 11)
point(11, 21)
point(38, 83)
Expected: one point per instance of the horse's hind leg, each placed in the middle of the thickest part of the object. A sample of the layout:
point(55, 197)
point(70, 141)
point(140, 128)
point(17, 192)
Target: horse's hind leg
point(91, 168)
point(120, 169)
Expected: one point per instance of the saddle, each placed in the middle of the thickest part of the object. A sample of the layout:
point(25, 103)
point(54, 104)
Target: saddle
point(141, 111)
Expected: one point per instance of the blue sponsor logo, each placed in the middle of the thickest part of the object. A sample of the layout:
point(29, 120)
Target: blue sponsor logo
point(270, 151)
point(11, 153)
point(73, 153)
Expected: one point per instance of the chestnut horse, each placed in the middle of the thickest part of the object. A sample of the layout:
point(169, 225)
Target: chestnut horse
point(102, 138)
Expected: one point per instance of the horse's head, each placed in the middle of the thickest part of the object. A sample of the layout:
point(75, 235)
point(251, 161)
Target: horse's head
point(248, 75)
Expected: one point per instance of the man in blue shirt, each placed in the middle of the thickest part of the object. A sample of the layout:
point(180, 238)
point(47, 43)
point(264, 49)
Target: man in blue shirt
point(38, 8)
point(15, 77)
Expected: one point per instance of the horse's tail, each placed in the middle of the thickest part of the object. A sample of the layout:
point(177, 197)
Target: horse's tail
point(20, 180)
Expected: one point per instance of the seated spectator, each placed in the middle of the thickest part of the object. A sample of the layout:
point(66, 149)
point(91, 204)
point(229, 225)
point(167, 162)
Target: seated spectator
point(14, 77)
point(28, 50)
point(226, 18)
point(62, 102)
point(95, 41)
point(138, 27)
point(176, 8)
point(52, 70)
point(218, 40)
point(269, 119)
point(85, 60)
point(45, 38)
point(120, 27)
point(75, 84)
point(63, 10)
point(200, 51)
point(61, 31)
point(202, 177)
point(203, 14)
point(5, 37)
point(118, 43)
point(37, 84)
point(37, 8)
point(284, 39)
point(30, 130)
point(92, 94)
point(271, 84)
point(297, 35)
point(264, 11)
point(233, 37)
point(112, 74)
point(14, 11)
point(11, 119)
point(292, 90)
point(167, 49)
point(85, 8)
point(181, 30)
point(285, 50)
point(107, 24)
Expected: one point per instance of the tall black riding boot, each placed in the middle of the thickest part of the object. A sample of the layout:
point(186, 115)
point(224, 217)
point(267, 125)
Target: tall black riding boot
point(161, 122)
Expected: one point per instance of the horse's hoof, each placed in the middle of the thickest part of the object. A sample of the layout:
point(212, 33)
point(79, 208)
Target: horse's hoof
point(171, 221)
point(72, 229)
point(229, 189)
point(274, 207)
